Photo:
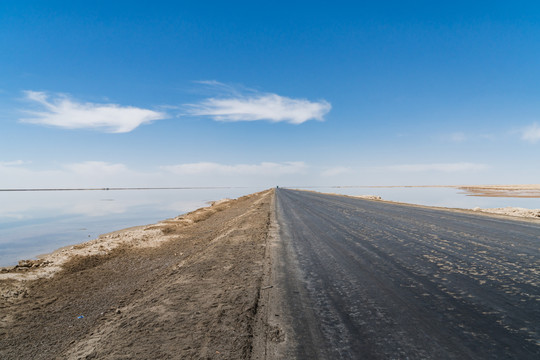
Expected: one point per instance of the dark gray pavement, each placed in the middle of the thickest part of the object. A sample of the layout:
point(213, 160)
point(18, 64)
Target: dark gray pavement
point(371, 280)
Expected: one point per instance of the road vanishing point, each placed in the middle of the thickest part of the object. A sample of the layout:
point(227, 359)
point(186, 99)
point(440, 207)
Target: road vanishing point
point(359, 279)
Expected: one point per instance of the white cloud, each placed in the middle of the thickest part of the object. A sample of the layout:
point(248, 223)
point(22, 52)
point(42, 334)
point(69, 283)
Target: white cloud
point(76, 175)
point(488, 136)
point(63, 112)
point(12, 163)
point(457, 137)
point(531, 133)
point(96, 168)
point(220, 88)
point(441, 167)
point(269, 107)
point(338, 170)
point(264, 168)
point(100, 174)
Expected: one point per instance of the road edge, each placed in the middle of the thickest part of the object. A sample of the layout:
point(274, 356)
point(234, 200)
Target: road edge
point(448, 209)
point(270, 339)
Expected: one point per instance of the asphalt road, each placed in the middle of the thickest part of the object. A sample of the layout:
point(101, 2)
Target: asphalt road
point(371, 280)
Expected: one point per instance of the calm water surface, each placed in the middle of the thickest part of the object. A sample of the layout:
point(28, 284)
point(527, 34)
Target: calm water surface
point(38, 222)
point(444, 197)
point(33, 223)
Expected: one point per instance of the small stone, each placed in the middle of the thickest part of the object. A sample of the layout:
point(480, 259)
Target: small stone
point(25, 263)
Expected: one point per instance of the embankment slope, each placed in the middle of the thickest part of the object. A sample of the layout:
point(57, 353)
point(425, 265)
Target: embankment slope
point(183, 288)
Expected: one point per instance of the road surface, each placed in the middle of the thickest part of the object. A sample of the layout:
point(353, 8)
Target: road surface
point(362, 279)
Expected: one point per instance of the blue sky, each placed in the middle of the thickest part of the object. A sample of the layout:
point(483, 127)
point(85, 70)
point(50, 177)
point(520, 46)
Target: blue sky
point(212, 93)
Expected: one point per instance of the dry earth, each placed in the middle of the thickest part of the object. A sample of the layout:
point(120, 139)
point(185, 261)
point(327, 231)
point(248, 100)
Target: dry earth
point(512, 211)
point(185, 288)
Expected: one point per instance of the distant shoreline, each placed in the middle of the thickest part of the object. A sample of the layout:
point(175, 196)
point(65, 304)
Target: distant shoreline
point(131, 188)
point(475, 190)
point(511, 191)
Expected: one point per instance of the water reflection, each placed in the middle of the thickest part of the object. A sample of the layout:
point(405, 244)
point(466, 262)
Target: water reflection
point(33, 223)
point(436, 196)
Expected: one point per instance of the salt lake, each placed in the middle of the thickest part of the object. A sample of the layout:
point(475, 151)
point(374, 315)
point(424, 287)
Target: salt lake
point(38, 222)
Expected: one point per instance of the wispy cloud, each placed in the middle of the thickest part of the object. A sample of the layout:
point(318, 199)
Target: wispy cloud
point(96, 167)
point(440, 167)
point(457, 137)
point(334, 171)
point(251, 105)
point(531, 133)
point(104, 174)
point(13, 163)
point(80, 174)
point(264, 168)
point(488, 136)
point(461, 137)
point(62, 111)
point(218, 88)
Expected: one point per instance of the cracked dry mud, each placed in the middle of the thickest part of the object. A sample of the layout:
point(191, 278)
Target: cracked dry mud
point(192, 294)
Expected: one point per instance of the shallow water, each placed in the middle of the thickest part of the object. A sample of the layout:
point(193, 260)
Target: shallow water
point(38, 222)
point(436, 196)
point(33, 223)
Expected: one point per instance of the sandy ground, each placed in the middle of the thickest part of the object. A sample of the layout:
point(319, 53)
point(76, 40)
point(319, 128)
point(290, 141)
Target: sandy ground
point(512, 211)
point(185, 288)
point(515, 191)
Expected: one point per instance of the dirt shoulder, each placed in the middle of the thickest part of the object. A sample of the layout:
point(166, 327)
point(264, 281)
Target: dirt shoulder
point(184, 288)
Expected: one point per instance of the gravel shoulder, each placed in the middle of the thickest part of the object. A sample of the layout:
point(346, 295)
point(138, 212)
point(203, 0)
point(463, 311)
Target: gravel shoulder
point(183, 288)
